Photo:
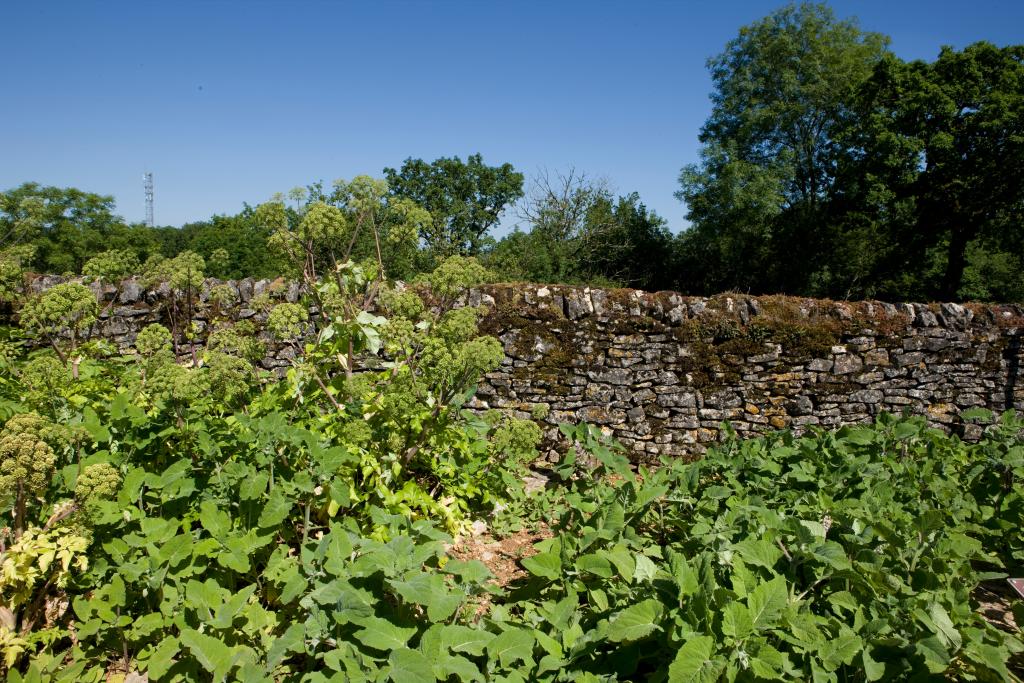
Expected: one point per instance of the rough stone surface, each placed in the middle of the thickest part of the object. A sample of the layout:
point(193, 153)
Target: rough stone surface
point(661, 371)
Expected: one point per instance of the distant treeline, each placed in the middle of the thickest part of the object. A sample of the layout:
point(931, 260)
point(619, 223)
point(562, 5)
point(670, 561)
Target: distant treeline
point(829, 167)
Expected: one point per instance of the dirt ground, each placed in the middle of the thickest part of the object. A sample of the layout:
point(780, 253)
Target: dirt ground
point(501, 555)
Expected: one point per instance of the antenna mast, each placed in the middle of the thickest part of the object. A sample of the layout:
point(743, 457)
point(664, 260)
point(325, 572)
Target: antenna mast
point(147, 180)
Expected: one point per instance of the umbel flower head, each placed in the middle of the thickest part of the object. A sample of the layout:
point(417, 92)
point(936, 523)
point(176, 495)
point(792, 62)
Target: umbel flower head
point(25, 456)
point(97, 482)
point(285, 321)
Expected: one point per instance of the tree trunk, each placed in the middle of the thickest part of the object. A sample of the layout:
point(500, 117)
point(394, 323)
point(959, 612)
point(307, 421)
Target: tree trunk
point(955, 263)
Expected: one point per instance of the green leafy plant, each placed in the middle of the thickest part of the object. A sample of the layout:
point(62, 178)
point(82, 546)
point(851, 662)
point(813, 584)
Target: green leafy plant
point(68, 308)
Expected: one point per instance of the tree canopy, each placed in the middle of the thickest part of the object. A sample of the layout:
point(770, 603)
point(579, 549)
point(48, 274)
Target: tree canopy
point(66, 226)
point(830, 167)
point(465, 198)
point(783, 90)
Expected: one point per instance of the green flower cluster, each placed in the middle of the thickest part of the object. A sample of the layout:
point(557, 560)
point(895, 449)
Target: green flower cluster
point(69, 306)
point(228, 376)
point(26, 459)
point(455, 275)
point(285, 321)
point(222, 295)
point(453, 355)
point(174, 383)
point(511, 438)
point(97, 482)
point(9, 351)
point(182, 272)
point(112, 266)
point(152, 339)
point(46, 381)
point(238, 340)
point(324, 223)
point(403, 303)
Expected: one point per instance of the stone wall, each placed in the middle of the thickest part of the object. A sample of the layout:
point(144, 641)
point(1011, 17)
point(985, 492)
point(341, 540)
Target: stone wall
point(662, 371)
point(129, 308)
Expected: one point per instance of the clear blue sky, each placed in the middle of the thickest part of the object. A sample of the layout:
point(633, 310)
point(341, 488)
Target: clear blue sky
point(229, 102)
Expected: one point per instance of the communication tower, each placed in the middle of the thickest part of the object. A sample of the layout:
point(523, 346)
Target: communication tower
point(147, 180)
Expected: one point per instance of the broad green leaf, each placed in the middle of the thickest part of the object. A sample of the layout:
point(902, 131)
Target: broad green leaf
point(613, 521)
point(736, 621)
point(766, 602)
point(275, 511)
point(162, 658)
point(906, 430)
point(977, 414)
point(454, 665)
point(253, 486)
point(594, 564)
point(635, 622)
point(213, 519)
point(409, 666)
point(694, 662)
point(934, 653)
point(559, 613)
point(339, 552)
point(226, 613)
point(235, 555)
point(547, 565)
point(758, 552)
point(513, 644)
point(645, 569)
point(212, 654)
point(381, 634)
point(860, 436)
point(473, 571)
point(295, 585)
point(873, 670)
point(685, 577)
point(845, 600)
point(647, 494)
point(147, 624)
point(944, 627)
point(204, 597)
point(623, 560)
point(430, 591)
point(458, 638)
point(832, 554)
point(768, 663)
point(991, 657)
point(549, 644)
point(840, 650)
point(292, 640)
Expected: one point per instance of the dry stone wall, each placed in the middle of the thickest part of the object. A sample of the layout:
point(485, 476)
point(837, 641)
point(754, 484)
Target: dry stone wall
point(662, 371)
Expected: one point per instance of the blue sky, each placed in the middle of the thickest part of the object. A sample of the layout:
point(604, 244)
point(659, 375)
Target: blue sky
point(229, 102)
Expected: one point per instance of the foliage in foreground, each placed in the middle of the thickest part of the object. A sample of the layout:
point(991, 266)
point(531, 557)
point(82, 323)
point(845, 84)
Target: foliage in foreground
point(838, 556)
point(181, 513)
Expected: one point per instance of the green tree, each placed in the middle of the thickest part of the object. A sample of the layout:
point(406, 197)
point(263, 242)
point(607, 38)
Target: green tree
point(67, 225)
point(556, 209)
point(783, 95)
point(465, 199)
point(579, 233)
point(626, 243)
point(241, 236)
point(947, 140)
